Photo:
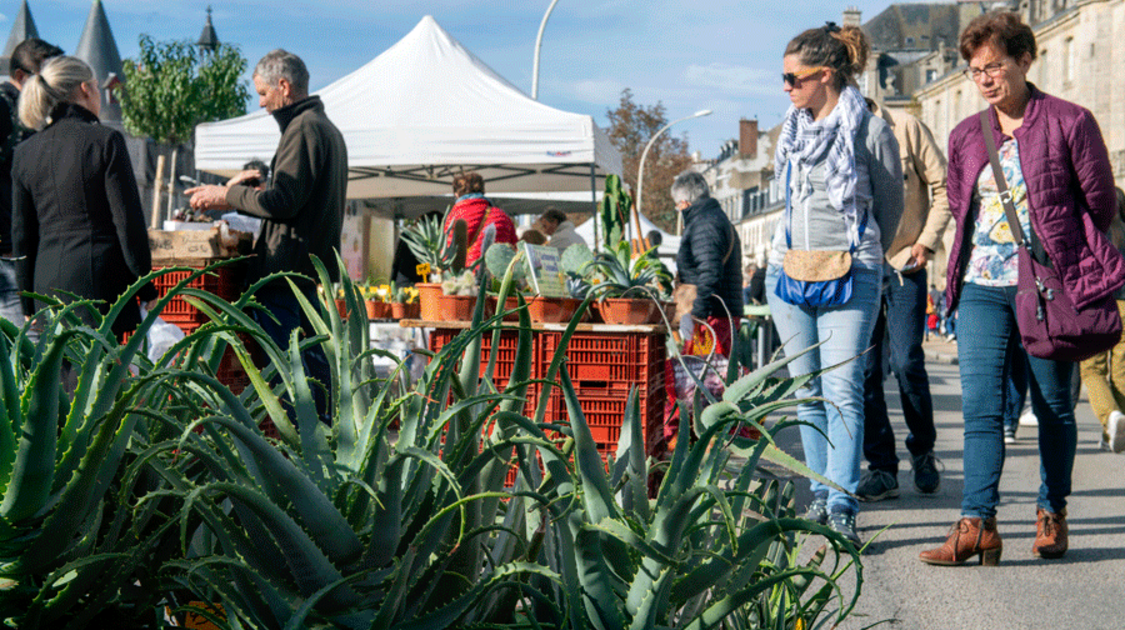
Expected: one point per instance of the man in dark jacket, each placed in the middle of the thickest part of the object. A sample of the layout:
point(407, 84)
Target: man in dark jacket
point(26, 59)
point(302, 208)
point(710, 257)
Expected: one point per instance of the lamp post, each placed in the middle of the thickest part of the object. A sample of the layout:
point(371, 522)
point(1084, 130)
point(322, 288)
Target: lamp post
point(644, 154)
point(538, 45)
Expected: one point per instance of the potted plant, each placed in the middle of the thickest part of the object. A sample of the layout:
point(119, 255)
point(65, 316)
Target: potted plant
point(376, 299)
point(628, 288)
point(405, 304)
point(459, 296)
point(426, 239)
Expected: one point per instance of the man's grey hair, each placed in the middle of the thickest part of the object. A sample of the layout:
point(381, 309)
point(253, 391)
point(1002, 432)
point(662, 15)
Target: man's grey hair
point(281, 64)
point(689, 186)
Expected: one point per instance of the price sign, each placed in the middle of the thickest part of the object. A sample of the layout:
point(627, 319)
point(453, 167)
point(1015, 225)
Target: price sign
point(423, 270)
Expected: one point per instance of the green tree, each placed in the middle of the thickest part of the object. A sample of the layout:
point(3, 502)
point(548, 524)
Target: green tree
point(631, 126)
point(170, 88)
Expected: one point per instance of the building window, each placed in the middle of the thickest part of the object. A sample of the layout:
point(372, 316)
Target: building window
point(1068, 60)
point(931, 75)
point(909, 42)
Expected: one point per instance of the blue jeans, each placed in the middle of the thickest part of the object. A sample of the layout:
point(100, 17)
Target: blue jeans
point(901, 325)
point(280, 302)
point(846, 332)
point(987, 349)
point(10, 307)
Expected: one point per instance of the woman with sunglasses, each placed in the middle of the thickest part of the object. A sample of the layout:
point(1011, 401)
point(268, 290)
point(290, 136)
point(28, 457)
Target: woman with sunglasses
point(844, 197)
point(1057, 172)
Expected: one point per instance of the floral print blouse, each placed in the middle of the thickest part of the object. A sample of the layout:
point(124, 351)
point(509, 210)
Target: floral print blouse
point(993, 261)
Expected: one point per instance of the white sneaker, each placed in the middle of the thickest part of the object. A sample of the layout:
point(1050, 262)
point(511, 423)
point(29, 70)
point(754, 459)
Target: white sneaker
point(1028, 419)
point(1116, 431)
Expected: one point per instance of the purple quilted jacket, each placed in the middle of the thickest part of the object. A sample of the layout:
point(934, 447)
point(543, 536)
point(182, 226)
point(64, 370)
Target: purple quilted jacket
point(1069, 188)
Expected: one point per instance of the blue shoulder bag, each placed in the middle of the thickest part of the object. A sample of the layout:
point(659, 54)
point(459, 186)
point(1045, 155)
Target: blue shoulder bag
point(814, 278)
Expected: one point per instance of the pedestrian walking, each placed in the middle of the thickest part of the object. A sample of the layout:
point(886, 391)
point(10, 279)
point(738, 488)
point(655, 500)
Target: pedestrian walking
point(1104, 374)
point(1065, 210)
point(844, 197)
point(77, 224)
point(900, 323)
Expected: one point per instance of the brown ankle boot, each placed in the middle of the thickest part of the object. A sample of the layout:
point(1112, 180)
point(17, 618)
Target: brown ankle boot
point(1050, 534)
point(967, 538)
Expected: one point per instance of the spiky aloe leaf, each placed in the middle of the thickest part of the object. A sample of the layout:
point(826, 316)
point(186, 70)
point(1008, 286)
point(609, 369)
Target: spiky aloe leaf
point(324, 523)
point(33, 471)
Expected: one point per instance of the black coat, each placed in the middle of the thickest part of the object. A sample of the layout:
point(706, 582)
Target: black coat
point(303, 206)
point(77, 221)
point(708, 238)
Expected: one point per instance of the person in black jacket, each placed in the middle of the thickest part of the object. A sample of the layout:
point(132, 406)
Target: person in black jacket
point(26, 60)
point(710, 257)
point(77, 223)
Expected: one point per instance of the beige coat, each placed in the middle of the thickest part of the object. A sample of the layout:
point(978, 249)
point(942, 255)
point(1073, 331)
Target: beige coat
point(926, 209)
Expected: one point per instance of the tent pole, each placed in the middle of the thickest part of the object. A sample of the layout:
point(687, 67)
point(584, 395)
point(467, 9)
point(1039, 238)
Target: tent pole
point(594, 202)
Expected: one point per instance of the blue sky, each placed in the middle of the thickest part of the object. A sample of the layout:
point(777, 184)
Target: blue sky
point(723, 55)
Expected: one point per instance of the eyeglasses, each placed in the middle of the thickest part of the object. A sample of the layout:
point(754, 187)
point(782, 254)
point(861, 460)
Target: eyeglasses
point(993, 70)
point(794, 78)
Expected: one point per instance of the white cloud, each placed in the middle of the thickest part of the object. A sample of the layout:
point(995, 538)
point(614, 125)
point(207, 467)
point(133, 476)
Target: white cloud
point(601, 92)
point(742, 80)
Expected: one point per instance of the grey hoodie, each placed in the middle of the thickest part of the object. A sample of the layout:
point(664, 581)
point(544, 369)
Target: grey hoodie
point(817, 225)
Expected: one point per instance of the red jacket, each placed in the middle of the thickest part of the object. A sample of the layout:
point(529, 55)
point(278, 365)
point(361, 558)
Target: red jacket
point(1069, 192)
point(474, 209)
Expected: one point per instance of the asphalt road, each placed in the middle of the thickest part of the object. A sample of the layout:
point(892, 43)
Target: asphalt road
point(1086, 589)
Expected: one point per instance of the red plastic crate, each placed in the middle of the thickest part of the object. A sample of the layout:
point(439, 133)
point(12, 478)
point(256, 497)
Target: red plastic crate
point(224, 282)
point(617, 360)
point(505, 352)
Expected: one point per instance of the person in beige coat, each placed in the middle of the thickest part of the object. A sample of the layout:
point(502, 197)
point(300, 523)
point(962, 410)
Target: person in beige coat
point(901, 320)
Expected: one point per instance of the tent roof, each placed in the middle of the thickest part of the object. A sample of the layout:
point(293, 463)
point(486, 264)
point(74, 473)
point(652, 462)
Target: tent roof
point(417, 114)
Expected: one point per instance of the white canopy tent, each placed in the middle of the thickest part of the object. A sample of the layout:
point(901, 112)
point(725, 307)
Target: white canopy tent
point(422, 111)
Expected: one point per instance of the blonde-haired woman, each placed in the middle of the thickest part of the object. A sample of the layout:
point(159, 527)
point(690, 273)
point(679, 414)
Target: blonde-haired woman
point(844, 198)
point(77, 223)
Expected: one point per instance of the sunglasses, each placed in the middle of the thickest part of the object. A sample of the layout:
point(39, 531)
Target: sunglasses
point(794, 78)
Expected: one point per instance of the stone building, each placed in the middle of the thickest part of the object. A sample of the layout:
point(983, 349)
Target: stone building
point(740, 180)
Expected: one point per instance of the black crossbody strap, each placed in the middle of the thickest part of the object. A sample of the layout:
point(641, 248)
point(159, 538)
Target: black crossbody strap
point(1001, 183)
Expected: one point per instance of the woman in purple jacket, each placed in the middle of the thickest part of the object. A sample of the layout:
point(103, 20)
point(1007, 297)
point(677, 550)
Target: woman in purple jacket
point(1058, 172)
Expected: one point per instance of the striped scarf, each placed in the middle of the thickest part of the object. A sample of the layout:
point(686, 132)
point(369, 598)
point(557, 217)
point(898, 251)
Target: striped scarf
point(806, 141)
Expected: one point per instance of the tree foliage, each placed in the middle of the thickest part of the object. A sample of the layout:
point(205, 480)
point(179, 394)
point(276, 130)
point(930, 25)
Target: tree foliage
point(631, 127)
point(170, 87)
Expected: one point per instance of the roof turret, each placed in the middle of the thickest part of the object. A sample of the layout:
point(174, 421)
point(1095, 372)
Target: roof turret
point(23, 27)
point(208, 40)
point(98, 48)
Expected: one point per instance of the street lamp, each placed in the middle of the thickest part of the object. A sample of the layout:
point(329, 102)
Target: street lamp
point(641, 169)
point(538, 45)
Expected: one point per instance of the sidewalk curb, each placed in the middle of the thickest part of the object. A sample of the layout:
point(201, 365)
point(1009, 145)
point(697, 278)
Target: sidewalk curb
point(940, 357)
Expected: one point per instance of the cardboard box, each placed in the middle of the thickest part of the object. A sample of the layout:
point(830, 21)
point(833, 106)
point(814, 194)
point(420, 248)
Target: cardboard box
point(197, 244)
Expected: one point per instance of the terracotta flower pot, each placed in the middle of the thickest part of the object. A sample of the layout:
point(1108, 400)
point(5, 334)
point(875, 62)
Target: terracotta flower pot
point(627, 311)
point(455, 308)
point(510, 304)
point(342, 307)
point(552, 310)
point(428, 294)
point(377, 309)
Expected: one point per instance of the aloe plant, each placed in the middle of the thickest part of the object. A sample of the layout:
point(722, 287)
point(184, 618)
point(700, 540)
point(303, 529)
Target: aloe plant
point(616, 273)
point(72, 547)
point(347, 525)
point(707, 547)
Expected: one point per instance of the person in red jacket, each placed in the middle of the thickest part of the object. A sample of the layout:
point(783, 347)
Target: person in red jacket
point(478, 213)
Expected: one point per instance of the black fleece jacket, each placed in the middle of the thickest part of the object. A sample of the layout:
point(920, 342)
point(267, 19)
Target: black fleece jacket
point(710, 257)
